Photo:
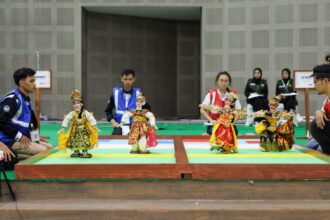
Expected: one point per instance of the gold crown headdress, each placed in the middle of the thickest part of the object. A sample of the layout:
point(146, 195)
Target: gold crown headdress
point(75, 95)
point(275, 99)
point(141, 97)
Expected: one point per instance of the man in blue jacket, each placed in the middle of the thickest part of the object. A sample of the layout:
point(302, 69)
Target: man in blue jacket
point(18, 124)
point(122, 100)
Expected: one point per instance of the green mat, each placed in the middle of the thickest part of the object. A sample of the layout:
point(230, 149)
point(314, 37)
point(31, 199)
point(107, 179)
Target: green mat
point(50, 130)
point(10, 175)
point(112, 156)
point(252, 156)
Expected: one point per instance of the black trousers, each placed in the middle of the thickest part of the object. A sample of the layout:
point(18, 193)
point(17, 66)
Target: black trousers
point(259, 103)
point(289, 103)
point(117, 131)
point(322, 136)
point(209, 129)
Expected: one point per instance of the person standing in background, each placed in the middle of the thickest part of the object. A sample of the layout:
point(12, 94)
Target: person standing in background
point(284, 87)
point(256, 92)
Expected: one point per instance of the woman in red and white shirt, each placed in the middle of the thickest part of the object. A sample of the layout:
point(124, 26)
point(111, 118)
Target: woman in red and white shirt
point(217, 97)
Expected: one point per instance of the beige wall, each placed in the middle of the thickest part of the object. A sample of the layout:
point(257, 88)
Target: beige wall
point(237, 35)
point(243, 34)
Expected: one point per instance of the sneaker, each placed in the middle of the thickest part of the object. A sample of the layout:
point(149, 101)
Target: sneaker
point(249, 122)
point(297, 119)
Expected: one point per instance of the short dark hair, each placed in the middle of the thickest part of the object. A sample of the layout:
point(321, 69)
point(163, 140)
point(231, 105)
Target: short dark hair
point(127, 72)
point(327, 58)
point(321, 71)
point(223, 73)
point(22, 73)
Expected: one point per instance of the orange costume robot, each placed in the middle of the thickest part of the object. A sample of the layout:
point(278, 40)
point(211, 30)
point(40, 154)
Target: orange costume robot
point(141, 134)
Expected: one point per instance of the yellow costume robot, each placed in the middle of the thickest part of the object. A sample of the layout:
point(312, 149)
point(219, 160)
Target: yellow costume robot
point(82, 134)
point(276, 129)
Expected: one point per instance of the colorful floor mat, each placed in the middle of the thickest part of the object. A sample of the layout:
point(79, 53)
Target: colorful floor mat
point(116, 152)
point(198, 151)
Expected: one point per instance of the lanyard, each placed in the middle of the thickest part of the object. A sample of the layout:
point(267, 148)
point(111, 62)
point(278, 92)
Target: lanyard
point(285, 85)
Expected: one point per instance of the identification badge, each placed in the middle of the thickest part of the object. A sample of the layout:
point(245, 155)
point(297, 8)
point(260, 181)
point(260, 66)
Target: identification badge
point(35, 135)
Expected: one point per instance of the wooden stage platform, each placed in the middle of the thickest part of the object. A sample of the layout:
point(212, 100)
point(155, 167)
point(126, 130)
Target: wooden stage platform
point(192, 159)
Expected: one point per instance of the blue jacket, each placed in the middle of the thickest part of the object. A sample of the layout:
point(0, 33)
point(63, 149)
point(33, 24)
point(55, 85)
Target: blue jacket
point(121, 106)
point(21, 119)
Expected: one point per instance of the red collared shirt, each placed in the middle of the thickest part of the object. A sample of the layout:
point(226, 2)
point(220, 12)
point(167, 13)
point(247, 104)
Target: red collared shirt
point(326, 107)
